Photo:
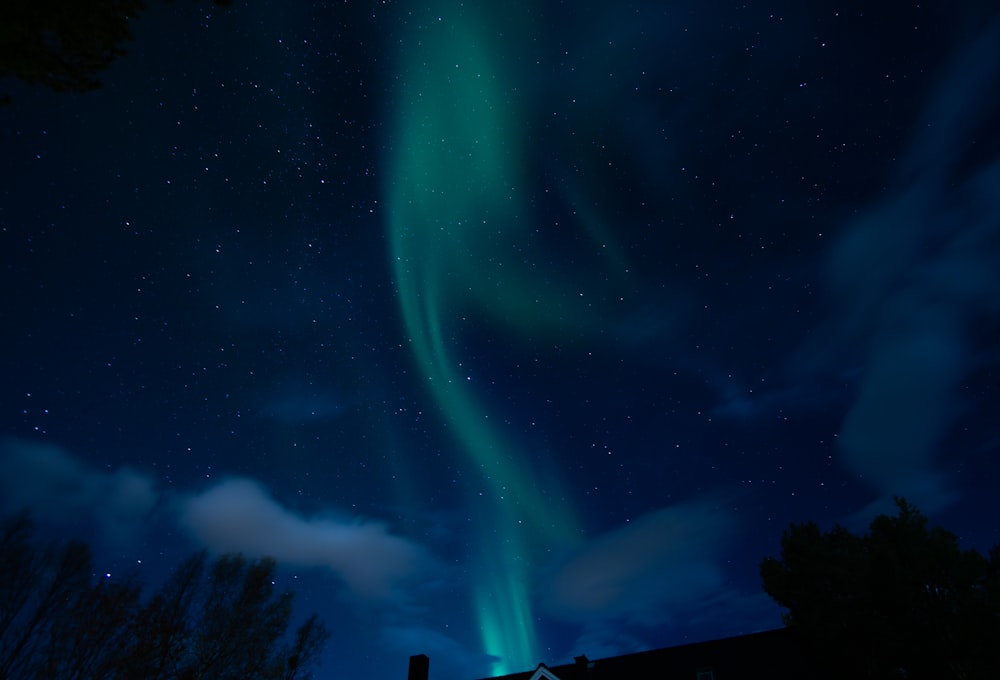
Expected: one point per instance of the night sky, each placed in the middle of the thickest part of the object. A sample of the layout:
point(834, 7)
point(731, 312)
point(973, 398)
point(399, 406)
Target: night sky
point(513, 330)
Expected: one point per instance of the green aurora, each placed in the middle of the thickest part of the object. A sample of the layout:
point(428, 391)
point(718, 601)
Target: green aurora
point(463, 242)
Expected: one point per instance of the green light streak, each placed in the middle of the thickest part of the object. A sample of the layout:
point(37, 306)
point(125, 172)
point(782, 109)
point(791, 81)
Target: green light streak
point(452, 213)
point(503, 604)
point(460, 238)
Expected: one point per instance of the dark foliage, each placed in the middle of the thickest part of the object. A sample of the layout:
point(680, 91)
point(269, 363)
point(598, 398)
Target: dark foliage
point(218, 621)
point(901, 601)
point(64, 44)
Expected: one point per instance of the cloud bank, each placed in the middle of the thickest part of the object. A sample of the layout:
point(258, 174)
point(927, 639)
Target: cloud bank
point(236, 515)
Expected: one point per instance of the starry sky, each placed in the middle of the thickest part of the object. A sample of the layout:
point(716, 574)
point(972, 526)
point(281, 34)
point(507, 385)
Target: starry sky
point(515, 331)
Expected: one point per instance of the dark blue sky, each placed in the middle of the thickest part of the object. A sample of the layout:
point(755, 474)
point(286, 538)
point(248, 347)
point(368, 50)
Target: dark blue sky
point(513, 334)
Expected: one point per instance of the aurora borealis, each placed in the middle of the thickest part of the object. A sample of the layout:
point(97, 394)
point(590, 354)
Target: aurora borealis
point(455, 221)
point(514, 332)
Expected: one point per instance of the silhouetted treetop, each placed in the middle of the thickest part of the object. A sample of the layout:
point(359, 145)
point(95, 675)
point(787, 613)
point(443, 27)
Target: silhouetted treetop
point(220, 621)
point(64, 44)
point(901, 601)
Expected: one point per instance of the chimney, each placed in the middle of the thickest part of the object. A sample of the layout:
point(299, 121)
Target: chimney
point(420, 666)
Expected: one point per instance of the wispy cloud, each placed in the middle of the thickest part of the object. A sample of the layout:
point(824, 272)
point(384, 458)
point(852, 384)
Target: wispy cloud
point(601, 639)
point(656, 563)
point(300, 401)
point(912, 276)
point(237, 515)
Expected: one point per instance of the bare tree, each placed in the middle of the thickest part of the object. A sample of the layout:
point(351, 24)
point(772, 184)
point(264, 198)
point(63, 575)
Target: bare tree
point(224, 621)
point(39, 586)
point(162, 629)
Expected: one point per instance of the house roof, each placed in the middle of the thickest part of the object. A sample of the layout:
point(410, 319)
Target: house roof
point(757, 656)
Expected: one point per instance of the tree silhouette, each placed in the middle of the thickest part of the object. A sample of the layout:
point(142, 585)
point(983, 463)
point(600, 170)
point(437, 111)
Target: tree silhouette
point(64, 44)
point(241, 621)
point(91, 637)
point(162, 629)
point(38, 585)
point(220, 621)
point(901, 601)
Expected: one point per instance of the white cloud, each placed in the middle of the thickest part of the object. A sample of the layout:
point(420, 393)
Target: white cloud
point(238, 516)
